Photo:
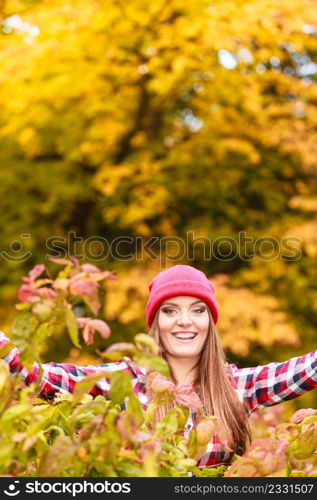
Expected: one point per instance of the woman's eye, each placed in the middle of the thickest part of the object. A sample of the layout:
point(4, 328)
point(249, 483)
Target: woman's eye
point(200, 310)
point(167, 310)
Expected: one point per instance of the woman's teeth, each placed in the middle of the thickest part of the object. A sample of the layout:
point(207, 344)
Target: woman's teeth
point(185, 335)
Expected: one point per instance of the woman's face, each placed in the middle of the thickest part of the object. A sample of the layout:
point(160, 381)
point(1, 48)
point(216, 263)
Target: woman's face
point(183, 326)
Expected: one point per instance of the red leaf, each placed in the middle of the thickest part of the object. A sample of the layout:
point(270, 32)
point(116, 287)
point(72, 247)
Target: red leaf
point(36, 271)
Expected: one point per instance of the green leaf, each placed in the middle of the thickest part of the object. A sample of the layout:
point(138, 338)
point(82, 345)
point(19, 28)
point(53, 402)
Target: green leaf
point(173, 453)
point(5, 349)
point(44, 330)
point(58, 455)
point(4, 374)
point(121, 387)
point(64, 273)
point(308, 420)
point(83, 386)
point(72, 327)
point(111, 357)
point(150, 465)
point(150, 413)
point(168, 425)
point(17, 411)
point(117, 351)
point(23, 306)
point(41, 444)
point(6, 451)
point(146, 343)
point(126, 469)
point(187, 462)
point(182, 416)
point(23, 328)
point(152, 362)
point(210, 471)
point(134, 409)
point(192, 443)
point(24, 331)
point(305, 445)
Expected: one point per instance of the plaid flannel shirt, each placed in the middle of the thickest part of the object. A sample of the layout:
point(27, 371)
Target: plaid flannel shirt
point(256, 387)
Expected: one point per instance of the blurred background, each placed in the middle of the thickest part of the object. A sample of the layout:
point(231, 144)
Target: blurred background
point(156, 123)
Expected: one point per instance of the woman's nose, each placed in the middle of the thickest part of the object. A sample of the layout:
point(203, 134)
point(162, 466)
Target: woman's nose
point(184, 318)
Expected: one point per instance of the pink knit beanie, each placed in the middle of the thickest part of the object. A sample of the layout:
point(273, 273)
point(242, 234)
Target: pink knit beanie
point(180, 280)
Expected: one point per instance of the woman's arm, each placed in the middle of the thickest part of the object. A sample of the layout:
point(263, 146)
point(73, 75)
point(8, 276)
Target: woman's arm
point(62, 377)
point(274, 383)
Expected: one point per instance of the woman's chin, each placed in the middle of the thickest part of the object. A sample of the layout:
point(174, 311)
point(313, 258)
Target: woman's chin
point(185, 352)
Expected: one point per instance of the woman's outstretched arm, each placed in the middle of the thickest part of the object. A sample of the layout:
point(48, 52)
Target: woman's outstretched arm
point(62, 377)
point(274, 383)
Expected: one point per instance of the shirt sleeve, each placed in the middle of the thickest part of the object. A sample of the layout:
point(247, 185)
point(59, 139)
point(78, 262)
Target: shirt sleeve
point(274, 383)
point(62, 377)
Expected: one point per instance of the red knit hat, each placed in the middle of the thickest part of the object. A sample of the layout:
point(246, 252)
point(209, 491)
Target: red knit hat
point(180, 280)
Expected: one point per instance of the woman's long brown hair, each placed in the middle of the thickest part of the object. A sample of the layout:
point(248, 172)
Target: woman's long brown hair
point(215, 389)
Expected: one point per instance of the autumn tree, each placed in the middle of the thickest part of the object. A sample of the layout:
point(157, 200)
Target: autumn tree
point(171, 120)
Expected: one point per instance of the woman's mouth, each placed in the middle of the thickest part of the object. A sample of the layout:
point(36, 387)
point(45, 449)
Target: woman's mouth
point(185, 337)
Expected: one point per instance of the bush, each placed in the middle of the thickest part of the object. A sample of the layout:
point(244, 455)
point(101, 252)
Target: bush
point(76, 435)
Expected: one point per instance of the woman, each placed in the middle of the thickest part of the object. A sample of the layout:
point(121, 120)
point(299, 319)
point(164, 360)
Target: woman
point(182, 313)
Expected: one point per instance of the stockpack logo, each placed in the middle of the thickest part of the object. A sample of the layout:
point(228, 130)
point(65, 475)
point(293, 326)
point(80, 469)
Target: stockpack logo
point(12, 489)
point(73, 488)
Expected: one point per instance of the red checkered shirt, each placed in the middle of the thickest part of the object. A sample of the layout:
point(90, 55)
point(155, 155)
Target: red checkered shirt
point(256, 387)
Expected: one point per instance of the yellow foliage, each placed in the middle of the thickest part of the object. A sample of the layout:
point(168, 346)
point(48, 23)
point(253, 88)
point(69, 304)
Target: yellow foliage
point(306, 233)
point(248, 319)
point(29, 142)
point(304, 203)
point(156, 118)
point(112, 177)
point(125, 298)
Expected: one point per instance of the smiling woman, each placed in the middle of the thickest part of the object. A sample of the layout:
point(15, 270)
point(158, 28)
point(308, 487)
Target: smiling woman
point(182, 314)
